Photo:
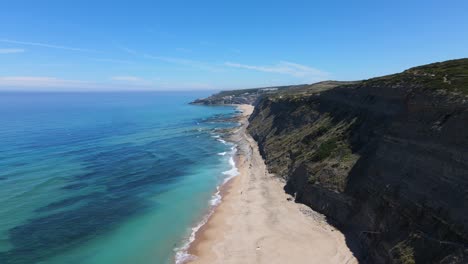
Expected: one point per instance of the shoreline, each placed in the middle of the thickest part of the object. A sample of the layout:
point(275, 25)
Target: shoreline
point(183, 254)
point(203, 233)
point(255, 222)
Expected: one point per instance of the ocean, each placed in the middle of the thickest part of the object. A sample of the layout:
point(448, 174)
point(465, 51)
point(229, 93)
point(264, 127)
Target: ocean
point(107, 177)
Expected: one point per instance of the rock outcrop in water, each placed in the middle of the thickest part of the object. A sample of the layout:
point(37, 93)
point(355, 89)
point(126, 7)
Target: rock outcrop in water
point(386, 160)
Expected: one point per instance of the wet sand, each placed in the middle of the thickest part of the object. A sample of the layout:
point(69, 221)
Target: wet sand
point(256, 223)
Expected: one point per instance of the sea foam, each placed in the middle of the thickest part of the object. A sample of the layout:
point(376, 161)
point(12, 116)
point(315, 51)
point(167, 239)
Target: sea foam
point(182, 255)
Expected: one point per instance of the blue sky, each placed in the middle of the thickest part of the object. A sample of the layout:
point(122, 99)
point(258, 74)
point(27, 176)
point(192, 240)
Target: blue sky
point(180, 45)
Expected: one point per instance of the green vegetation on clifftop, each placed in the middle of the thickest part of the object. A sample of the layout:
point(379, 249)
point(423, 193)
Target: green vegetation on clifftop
point(448, 75)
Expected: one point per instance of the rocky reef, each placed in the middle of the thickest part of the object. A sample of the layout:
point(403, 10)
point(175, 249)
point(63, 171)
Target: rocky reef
point(385, 159)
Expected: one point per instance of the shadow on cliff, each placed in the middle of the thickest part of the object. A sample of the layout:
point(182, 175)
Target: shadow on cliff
point(396, 202)
point(369, 118)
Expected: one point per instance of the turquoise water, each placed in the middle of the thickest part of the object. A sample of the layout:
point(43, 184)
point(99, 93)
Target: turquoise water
point(106, 177)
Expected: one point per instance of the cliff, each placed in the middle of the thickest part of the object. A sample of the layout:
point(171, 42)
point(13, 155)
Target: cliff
point(386, 159)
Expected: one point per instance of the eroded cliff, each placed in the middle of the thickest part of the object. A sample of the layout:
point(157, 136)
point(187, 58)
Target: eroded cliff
point(386, 160)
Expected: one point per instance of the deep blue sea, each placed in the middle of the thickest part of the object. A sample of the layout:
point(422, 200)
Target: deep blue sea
point(106, 177)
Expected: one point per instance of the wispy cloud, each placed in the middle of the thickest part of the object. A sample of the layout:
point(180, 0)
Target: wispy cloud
point(11, 51)
point(127, 50)
point(126, 78)
point(186, 62)
point(184, 50)
point(44, 45)
point(41, 82)
point(183, 86)
point(173, 60)
point(116, 83)
point(284, 67)
point(112, 60)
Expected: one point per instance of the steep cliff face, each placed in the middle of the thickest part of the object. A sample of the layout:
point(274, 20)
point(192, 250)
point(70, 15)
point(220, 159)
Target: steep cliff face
point(386, 160)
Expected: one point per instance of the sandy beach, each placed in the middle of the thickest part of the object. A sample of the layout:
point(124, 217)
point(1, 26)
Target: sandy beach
point(256, 223)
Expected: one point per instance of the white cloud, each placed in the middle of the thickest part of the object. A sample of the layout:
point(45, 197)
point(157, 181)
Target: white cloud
point(39, 83)
point(10, 51)
point(126, 78)
point(44, 45)
point(171, 59)
point(116, 83)
point(191, 63)
point(42, 82)
point(129, 51)
point(184, 50)
point(284, 67)
point(180, 61)
point(182, 86)
point(112, 60)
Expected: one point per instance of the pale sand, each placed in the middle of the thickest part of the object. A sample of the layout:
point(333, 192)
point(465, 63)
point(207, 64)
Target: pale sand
point(255, 223)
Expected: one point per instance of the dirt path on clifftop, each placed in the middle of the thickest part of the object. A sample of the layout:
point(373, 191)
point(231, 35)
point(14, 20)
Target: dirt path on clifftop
point(255, 223)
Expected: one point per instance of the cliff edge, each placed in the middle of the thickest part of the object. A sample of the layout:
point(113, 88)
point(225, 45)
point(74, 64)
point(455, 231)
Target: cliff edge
point(386, 159)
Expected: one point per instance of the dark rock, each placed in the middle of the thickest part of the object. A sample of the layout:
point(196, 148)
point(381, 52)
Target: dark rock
point(386, 160)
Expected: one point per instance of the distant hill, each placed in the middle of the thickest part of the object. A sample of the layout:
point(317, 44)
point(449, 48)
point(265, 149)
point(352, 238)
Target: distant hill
point(250, 96)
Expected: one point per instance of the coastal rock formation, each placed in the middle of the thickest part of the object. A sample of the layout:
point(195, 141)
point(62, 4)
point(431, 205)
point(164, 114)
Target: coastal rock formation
point(386, 159)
